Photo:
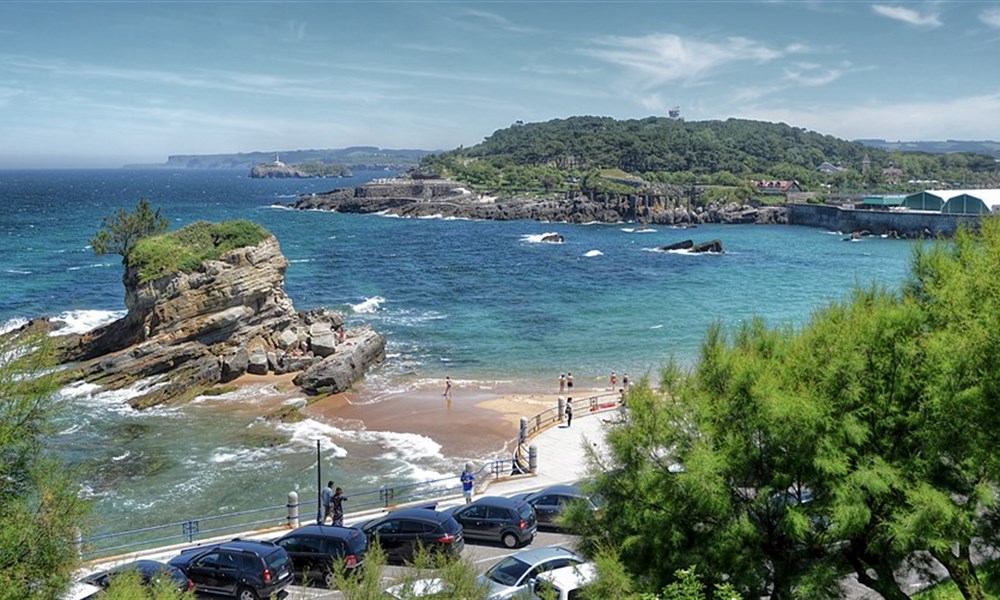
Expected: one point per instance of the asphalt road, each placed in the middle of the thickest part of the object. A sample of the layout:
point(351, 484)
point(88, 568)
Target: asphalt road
point(482, 554)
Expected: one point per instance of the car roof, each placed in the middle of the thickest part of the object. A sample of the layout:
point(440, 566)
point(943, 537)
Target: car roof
point(536, 555)
point(499, 501)
point(421, 514)
point(562, 489)
point(330, 531)
point(571, 577)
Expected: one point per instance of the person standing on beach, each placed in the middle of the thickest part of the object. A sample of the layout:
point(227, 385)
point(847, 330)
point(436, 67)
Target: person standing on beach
point(614, 380)
point(569, 381)
point(562, 383)
point(625, 381)
point(337, 502)
point(569, 411)
point(325, 499)
point(447, 388)
point(468, 480)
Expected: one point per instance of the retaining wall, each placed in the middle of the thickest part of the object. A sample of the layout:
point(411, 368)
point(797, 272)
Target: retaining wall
point(904, 223)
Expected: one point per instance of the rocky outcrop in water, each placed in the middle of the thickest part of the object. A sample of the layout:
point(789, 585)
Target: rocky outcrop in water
point(272, 171)
point(187, 331)
point(421, 198)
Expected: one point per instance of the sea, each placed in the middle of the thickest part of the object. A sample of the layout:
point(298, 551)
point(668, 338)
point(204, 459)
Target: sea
point(487, 303)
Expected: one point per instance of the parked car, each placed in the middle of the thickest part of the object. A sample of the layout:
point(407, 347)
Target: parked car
point(510, 577)
point(314, 548)
point(248, 570)
point(493, 518)
point(550, 503)
point(150, 571)
point(563, 583)
point(82, 591)
point(401, 532)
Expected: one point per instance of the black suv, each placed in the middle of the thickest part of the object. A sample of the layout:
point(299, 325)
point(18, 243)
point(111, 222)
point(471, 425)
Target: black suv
point(506, 520)
point(401, 532)
point(314, 548)
point(248, 570)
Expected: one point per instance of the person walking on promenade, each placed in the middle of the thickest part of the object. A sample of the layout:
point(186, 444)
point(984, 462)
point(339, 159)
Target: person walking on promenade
point(468, 479)
point(569, 411)
point(325, 498)
point(569, 381)
point(614, 380)
point(625, 382)
point(562, 383)
point(447, 388)
point(337, 502)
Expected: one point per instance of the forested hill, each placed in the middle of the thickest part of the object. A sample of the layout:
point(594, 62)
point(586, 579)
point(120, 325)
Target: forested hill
point(662, 144)
point(574, 153)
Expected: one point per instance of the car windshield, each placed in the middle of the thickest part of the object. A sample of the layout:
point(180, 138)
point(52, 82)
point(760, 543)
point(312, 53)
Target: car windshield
point(276, 559)
point(525, 511)
point(508, 571)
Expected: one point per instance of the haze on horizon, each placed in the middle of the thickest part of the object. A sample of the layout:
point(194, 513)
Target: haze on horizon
point(100, 83)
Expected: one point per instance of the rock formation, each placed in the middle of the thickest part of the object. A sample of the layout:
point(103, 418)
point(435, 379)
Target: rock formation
point(713, 246)
point(421, 197)
point(228, 317)
point(272, 171)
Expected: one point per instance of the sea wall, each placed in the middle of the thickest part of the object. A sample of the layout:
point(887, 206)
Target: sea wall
point(903, 223)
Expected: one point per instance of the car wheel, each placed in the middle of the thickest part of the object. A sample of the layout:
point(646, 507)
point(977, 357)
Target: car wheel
point(330, 580)
point(509, 540)
point(245, 593)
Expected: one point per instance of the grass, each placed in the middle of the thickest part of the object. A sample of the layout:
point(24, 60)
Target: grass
point(185, 249)
point(989, 576)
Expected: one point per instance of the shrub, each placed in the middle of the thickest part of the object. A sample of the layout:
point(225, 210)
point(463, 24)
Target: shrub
point(188, 247)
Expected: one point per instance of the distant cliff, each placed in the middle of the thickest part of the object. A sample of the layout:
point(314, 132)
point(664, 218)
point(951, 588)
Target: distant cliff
point(282, 171)
point(189, 329)
point(430, 197)
point(355, 157)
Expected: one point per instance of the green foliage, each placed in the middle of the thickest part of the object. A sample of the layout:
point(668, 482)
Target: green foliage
point(39, 505)
point(123, 229)
point(458, 577)
point(128, 586)
point(188, 247)
point(723, 153)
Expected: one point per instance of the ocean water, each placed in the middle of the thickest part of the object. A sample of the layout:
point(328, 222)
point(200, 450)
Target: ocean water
point(480, 301)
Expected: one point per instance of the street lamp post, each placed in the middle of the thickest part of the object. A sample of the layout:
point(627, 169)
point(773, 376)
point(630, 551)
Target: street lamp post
point(319, 486)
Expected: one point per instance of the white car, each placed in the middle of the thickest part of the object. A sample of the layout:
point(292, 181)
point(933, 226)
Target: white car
point(563, 583)
point(509, 578)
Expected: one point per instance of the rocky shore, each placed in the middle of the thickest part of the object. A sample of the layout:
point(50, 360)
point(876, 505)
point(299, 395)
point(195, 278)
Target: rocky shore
point(188, 331)
point(437, 197)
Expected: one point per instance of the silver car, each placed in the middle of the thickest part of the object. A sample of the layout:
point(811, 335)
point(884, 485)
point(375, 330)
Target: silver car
point(509, 578)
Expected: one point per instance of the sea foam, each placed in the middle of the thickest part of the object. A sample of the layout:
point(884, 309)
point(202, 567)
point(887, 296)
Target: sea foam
point(369, 306)
point(593, 253)
point(537, 238)
point(82, 321)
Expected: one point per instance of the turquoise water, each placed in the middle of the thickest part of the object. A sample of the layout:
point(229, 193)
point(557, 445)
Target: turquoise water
point(478, 301)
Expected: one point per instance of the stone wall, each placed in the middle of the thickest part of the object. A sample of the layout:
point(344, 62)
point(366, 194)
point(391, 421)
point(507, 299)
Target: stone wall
point(903, 223)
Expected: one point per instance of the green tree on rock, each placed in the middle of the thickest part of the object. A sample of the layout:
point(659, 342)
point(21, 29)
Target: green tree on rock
point(121, 230)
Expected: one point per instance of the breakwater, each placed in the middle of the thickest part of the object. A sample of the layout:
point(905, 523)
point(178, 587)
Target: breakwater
point(908, 224)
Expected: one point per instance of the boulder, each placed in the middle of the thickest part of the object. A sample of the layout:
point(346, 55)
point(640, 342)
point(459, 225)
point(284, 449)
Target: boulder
point(683, 245)
point(257, 364)
point(323, 344)
point(235, 364)
point(714, 246)
point(337, 372)
point(553, 238)
point(287, 338)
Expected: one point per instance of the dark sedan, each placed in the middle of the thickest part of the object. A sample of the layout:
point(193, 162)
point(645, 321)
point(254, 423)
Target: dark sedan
point(314, 549)
point(506, 520)
point(401, 532)
point(150, 572)
point(550, 503)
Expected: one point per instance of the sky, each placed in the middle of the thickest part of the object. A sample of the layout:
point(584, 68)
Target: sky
point(100, 84)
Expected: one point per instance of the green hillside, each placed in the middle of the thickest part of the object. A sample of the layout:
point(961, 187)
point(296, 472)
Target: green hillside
point(567, 153)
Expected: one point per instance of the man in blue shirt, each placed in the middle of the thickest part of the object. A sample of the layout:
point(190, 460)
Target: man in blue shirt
point(325, 499)
point(468, 479)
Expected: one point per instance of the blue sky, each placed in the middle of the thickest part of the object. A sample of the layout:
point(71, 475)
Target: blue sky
point(100, 84)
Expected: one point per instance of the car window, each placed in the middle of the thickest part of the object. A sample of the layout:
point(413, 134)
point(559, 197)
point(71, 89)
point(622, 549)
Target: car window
point(292, 544)
point(525, 511)
point(209, 561)
point(546, 500)
point(508, 571)
point(474, 512)
point(334, 547)
point(228, 561)
point(451, 526)
point(414, 527)
point(275, 560)
point(311, 544)
point(390, 526)
point(498, 513)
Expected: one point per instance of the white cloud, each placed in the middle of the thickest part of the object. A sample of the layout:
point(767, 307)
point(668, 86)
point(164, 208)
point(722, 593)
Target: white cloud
point(991, 16)
point(667, 58)
point(908, 15)
point(813, 77)
point(495, 21)
point(959, 118)
point(653, 102)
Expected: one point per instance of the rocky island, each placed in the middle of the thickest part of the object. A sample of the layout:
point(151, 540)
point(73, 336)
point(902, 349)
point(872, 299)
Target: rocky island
point(279, 170)
point(421, 197)
point(206, 304)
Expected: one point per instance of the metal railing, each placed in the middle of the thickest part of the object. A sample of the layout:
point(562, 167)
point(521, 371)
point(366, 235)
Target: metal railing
point(384, 497)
